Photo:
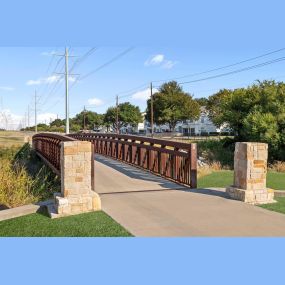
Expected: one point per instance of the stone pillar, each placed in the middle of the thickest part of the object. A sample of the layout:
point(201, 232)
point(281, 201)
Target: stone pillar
point(77, 173)
point(250, 168)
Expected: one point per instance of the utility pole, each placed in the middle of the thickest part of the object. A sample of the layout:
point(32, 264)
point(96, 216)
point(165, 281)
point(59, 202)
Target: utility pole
point(66, 75)
point(25, 120)
point(1, 103)
point(28, 116)
point(84, 118)
point(66, 93)
point(36, 127)
point(151, 110)
point(117, 114)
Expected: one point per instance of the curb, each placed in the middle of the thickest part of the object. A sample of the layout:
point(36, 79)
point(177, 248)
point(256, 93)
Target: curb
point(22, 210)
point(279, 193)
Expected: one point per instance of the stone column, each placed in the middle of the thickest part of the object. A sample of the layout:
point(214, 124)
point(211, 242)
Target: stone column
point(250, 169)
point(76, 181)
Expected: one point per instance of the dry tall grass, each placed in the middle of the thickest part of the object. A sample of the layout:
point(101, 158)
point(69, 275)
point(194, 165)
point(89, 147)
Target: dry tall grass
point(209, 168)
point(278, 166)
point(23, 178)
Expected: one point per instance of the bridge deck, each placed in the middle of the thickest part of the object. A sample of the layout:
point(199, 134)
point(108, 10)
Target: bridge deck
point(147, 205)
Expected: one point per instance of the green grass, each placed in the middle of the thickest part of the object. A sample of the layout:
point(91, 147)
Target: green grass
point(276, 207)
point(221, 178)
point(276, 180)
point(224, 178)
point(95, 224)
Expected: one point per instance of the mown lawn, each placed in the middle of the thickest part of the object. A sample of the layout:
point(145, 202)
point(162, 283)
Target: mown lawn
point(224, 178)
point(95, 224)
point(277, 207)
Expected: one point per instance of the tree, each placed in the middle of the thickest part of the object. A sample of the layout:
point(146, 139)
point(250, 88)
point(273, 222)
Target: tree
point(215, 106)
point(57, 123)
point(171, 105)
point(202, 101)
point(127, 114)
point(92, 120)
point(255, 113)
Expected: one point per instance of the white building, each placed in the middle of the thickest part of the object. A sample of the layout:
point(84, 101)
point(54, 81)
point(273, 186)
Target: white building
point(202, 126)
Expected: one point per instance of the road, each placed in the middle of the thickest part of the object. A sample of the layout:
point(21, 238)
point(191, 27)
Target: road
point(147, 205)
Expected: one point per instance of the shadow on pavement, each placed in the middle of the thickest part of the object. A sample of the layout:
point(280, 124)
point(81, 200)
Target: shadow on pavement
point(137, 173)
point(211, 192)
point(141, 174)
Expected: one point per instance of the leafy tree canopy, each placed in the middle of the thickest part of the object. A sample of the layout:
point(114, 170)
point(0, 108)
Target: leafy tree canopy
point(128, 114)
point(171, 105)
point(92, 120)
point(255, 113)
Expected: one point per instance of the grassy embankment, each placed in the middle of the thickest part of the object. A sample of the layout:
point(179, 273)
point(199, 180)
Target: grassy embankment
point(24, 178)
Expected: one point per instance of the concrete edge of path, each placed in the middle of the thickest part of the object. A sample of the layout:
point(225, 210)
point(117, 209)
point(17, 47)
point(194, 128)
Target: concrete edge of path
point(22, 210)
point(279, 193)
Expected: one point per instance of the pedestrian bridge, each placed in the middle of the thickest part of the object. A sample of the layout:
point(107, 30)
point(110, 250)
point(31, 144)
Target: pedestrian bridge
point(149, 204)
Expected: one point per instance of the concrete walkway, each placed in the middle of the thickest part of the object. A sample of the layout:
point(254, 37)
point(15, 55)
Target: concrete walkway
point(147, 205)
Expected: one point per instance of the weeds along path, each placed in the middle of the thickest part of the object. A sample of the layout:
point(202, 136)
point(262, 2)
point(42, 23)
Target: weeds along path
point(24, 178)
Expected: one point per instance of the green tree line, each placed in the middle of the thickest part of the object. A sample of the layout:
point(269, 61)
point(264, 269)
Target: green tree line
point(253, 113)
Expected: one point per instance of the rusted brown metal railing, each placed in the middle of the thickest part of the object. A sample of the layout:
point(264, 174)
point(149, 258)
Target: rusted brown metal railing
point(47, 146)
point(172, 160)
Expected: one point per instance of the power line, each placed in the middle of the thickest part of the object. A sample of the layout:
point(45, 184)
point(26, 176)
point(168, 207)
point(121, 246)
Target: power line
point(235, 71)
point(107, 63)
point(84, 57)
point(133, 89)
point(199, 73)
point(241, 85)
point(51, 82)
point(227, 73)
point(222, 67)
point(56, 85)
point(36, 124)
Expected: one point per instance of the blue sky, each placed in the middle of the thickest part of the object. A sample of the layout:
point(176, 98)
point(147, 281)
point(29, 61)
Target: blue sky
point(26, 69)
point(184, 37)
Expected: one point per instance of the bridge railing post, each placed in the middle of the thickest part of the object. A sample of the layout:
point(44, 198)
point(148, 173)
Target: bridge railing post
point(193, 165)
point(77, 180)
point(250, 169)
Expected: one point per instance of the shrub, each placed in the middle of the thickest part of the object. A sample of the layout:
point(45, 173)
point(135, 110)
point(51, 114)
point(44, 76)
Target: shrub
point(217, 152)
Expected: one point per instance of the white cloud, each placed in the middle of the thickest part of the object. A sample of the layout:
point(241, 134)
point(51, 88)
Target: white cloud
point(71, 79)
point(7, 88)
point(49, 79)
point(168, 64)
point(48, 53)
point(154, 60)
point(13, 121)
point(33, 82)
point(46, 80)
point(45, 118)
point(9, 120)
point(144, 94)
point(160, 60)
point(95, 102)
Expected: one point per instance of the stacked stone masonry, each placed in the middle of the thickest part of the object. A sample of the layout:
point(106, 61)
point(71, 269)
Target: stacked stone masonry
point(250, 169)
point(77, 181)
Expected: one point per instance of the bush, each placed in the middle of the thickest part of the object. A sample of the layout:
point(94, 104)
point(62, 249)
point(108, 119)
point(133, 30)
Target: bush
point(254, 114)
point(217, 151)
